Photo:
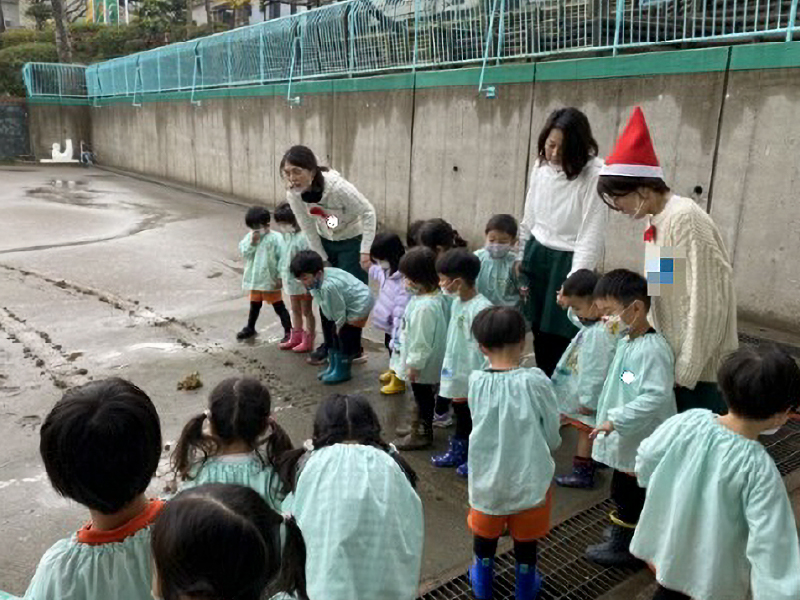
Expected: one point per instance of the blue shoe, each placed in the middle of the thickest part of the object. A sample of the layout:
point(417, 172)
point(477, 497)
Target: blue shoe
point(481, 577)
point(333, 357)
point(455, 456)
point(463, 470)
point(341, 371)
point(529, 582)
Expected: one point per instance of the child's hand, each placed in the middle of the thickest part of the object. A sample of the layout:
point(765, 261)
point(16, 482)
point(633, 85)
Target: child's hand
point(366, 261)
point(582, 410)
point(412, 374)
point(255, 238)
point(523, 291)
point(560, 300)
point(605, 429)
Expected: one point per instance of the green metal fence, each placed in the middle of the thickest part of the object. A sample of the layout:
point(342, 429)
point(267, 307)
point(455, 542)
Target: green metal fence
point(359, 37)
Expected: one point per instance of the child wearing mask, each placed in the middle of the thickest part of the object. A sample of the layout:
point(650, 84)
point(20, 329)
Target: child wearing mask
point(497, 280)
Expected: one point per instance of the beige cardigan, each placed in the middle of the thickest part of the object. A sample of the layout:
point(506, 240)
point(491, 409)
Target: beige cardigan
point(697, 313)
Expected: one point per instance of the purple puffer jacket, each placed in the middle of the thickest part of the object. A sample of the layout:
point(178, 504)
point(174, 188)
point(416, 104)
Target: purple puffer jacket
point(391, 303)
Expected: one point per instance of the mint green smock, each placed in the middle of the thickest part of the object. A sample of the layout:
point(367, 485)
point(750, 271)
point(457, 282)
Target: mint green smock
point(462, 355)
point(514, 430)
point(294, 243)
point(239, 469)
point(342, 297)
point(637, 397)
point(497, 280)
point(362, 523)
point(261, 262)
point(581, 373)
point(717, 522)
point(423, 338)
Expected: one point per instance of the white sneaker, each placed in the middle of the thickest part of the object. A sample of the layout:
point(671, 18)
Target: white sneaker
point(443, 421)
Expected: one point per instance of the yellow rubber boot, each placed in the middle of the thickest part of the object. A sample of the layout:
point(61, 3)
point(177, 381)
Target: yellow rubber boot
point(395, 386)
point(386, 377)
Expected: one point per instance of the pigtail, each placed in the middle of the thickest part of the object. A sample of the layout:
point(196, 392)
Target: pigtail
point(192, 440)
point(285, 466)
point(292, 577)
point(276, 444)
point(458, 241)
point(408, 471)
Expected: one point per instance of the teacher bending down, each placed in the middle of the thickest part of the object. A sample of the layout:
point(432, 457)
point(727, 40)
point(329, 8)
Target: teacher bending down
point(562, 230)
point(337, 219)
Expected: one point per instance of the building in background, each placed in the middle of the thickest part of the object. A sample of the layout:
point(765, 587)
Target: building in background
point(250, 12)
point(14, 14)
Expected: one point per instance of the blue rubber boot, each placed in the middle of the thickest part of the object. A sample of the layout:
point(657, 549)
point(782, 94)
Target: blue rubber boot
point(340, 372)
point(463, 470)
point(455, 456)
point(481, 577)
point(529, 582)
point(333, 357)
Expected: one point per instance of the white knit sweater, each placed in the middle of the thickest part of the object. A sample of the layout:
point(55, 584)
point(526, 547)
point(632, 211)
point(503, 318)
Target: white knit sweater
point(697, 313)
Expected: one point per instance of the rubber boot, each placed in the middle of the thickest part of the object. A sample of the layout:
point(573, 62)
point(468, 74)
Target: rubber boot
point(481, 577)
point(412, 417)
point(246, 333)
point(295, 339)
point(615, 551)
point(333, 356)
point(394, 386)
point(420, 437)
point(529, 582)
point(318, 356)
point(340, 372)
point(306, 343)
point(582, 476)
point(455, 456)
point(463, 470)
point(386, 376)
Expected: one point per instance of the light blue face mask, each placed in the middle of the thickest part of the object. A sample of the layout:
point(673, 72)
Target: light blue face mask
point(498, 250)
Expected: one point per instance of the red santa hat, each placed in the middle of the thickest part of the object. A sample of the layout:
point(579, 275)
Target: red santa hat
point(633, 155)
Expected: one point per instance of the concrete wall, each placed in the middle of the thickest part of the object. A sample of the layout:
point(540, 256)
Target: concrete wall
point(55, 123)
point(14, 140)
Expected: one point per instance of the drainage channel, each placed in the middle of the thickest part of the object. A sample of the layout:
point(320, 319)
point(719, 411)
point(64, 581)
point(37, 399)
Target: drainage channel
point(567, 575)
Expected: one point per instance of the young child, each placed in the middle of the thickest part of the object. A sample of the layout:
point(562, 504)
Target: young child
point(515, 428)
point(420, 347)
point(101, 444)
point(262, 250)
point(439, 236)
point(582, 371)
point(458, 270)
point(354, 498)
point(717, 522)
point(412, 235)
point(497, 280)
point(224, 541)
point(301, 340)
point(345, 301)
point(242, 443)
point(386, 251)
point(636, 398)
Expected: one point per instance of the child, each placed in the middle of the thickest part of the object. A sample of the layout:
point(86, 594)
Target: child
point(354, 497)
point(345, 301)
point(224, 541)
point(386, 251)
point(717, 522)
point(439, 236)
point(419, 349)
point(636, 398)
point(301, 341)
point(100, 445)
point(239, 420)
point(497, 280)
point(581, 372)
point(412, 235)
point(262, 250)
point(515, 428)
point(458, 270)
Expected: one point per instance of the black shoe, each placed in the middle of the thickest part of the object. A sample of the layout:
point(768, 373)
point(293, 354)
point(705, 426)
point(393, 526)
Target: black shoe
point(245, 333)
point(615, 551)
point(318, 356)
point(286, 336)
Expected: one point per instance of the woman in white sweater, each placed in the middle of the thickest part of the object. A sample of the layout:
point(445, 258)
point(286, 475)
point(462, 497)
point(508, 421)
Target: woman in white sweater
point(688, 270)
point(562, 230)
point(338, 221)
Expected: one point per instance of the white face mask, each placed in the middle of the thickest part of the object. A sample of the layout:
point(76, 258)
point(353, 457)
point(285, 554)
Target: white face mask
point(384, 264)
point(498, 250)
point(772, 431)
point(285, 228)
point(639, 208)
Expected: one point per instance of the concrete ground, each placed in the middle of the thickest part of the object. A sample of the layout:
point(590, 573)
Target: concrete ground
point(104, 275)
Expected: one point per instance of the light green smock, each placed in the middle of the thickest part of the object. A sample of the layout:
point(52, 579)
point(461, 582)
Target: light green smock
point(423, 338)
point(294, 243)
point(462, 355)
point(261, 262)
point(497, 280)
point(342, 297)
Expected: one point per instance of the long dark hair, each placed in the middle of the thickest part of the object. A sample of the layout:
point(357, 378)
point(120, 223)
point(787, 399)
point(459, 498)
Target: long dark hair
point(389, 247)
point(223, 542)
point(343, 418)
point(303, 157)
point(438, 233)
point(239, 410)
point(579, 143)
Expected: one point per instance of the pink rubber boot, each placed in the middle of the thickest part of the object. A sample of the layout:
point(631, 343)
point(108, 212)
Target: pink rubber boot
point(307, 343)
point(294, 340)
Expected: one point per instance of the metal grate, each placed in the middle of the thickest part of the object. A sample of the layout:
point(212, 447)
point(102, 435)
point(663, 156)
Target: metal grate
point(752, 340)
point(784, 447)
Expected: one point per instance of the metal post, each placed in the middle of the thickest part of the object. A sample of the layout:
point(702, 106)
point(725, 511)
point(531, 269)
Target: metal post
point(501, 32)
point(792, 20)
point(295, 100)
point(261, 52)
point(618, 25)
point(491, 91)
point(351, 63)
point(194, 74)
point(416, 35)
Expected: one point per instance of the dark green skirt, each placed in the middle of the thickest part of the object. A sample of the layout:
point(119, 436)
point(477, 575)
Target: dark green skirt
point(705, 394)
point(346, 255)
point(544, 270)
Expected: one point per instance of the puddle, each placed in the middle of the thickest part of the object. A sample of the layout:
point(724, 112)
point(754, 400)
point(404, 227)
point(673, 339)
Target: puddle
point(163, 346)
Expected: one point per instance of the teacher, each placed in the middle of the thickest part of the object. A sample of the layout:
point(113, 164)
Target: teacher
point(562, 230)
point(337, 219)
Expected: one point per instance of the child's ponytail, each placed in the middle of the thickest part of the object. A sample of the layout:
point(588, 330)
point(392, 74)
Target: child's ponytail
point(458, 241)
point(191, 441)
point(292, 577)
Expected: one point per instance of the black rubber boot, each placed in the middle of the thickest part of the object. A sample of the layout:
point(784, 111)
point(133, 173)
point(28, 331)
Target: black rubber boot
point(615, 551)
point(250, 329)
point(582, 476)
point(286, 320)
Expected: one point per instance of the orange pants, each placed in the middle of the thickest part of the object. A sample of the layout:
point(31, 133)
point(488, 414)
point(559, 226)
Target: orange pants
point(263, 296)
point(525, 526)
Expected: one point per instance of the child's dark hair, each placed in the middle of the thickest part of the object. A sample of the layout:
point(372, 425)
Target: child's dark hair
point(579, 144)
point(419, 266)
point(224, 541)
point(303, 157)
point(498, 326)
point(412, 235)
point(389, 247)
point(239, 410)
point(610, 187)
point(459, 263)
point(760, 382)
point(344, 418)
point(580, 284)
point(101, 444)
point(438, 233)
point(305, 262)
point(256, 216)
point(284, 214)
point(623, 286)
point(504, 224)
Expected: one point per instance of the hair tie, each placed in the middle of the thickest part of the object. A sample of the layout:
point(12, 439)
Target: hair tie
point(309, 445)
point(207, 413)
point(393, 450)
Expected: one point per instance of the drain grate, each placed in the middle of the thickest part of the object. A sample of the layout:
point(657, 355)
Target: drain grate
point(784, 447)
point(751, 340)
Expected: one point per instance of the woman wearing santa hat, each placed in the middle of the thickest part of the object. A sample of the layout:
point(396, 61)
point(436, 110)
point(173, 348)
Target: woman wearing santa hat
point(562, 230)
point(689, 274)
point(337, 219)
